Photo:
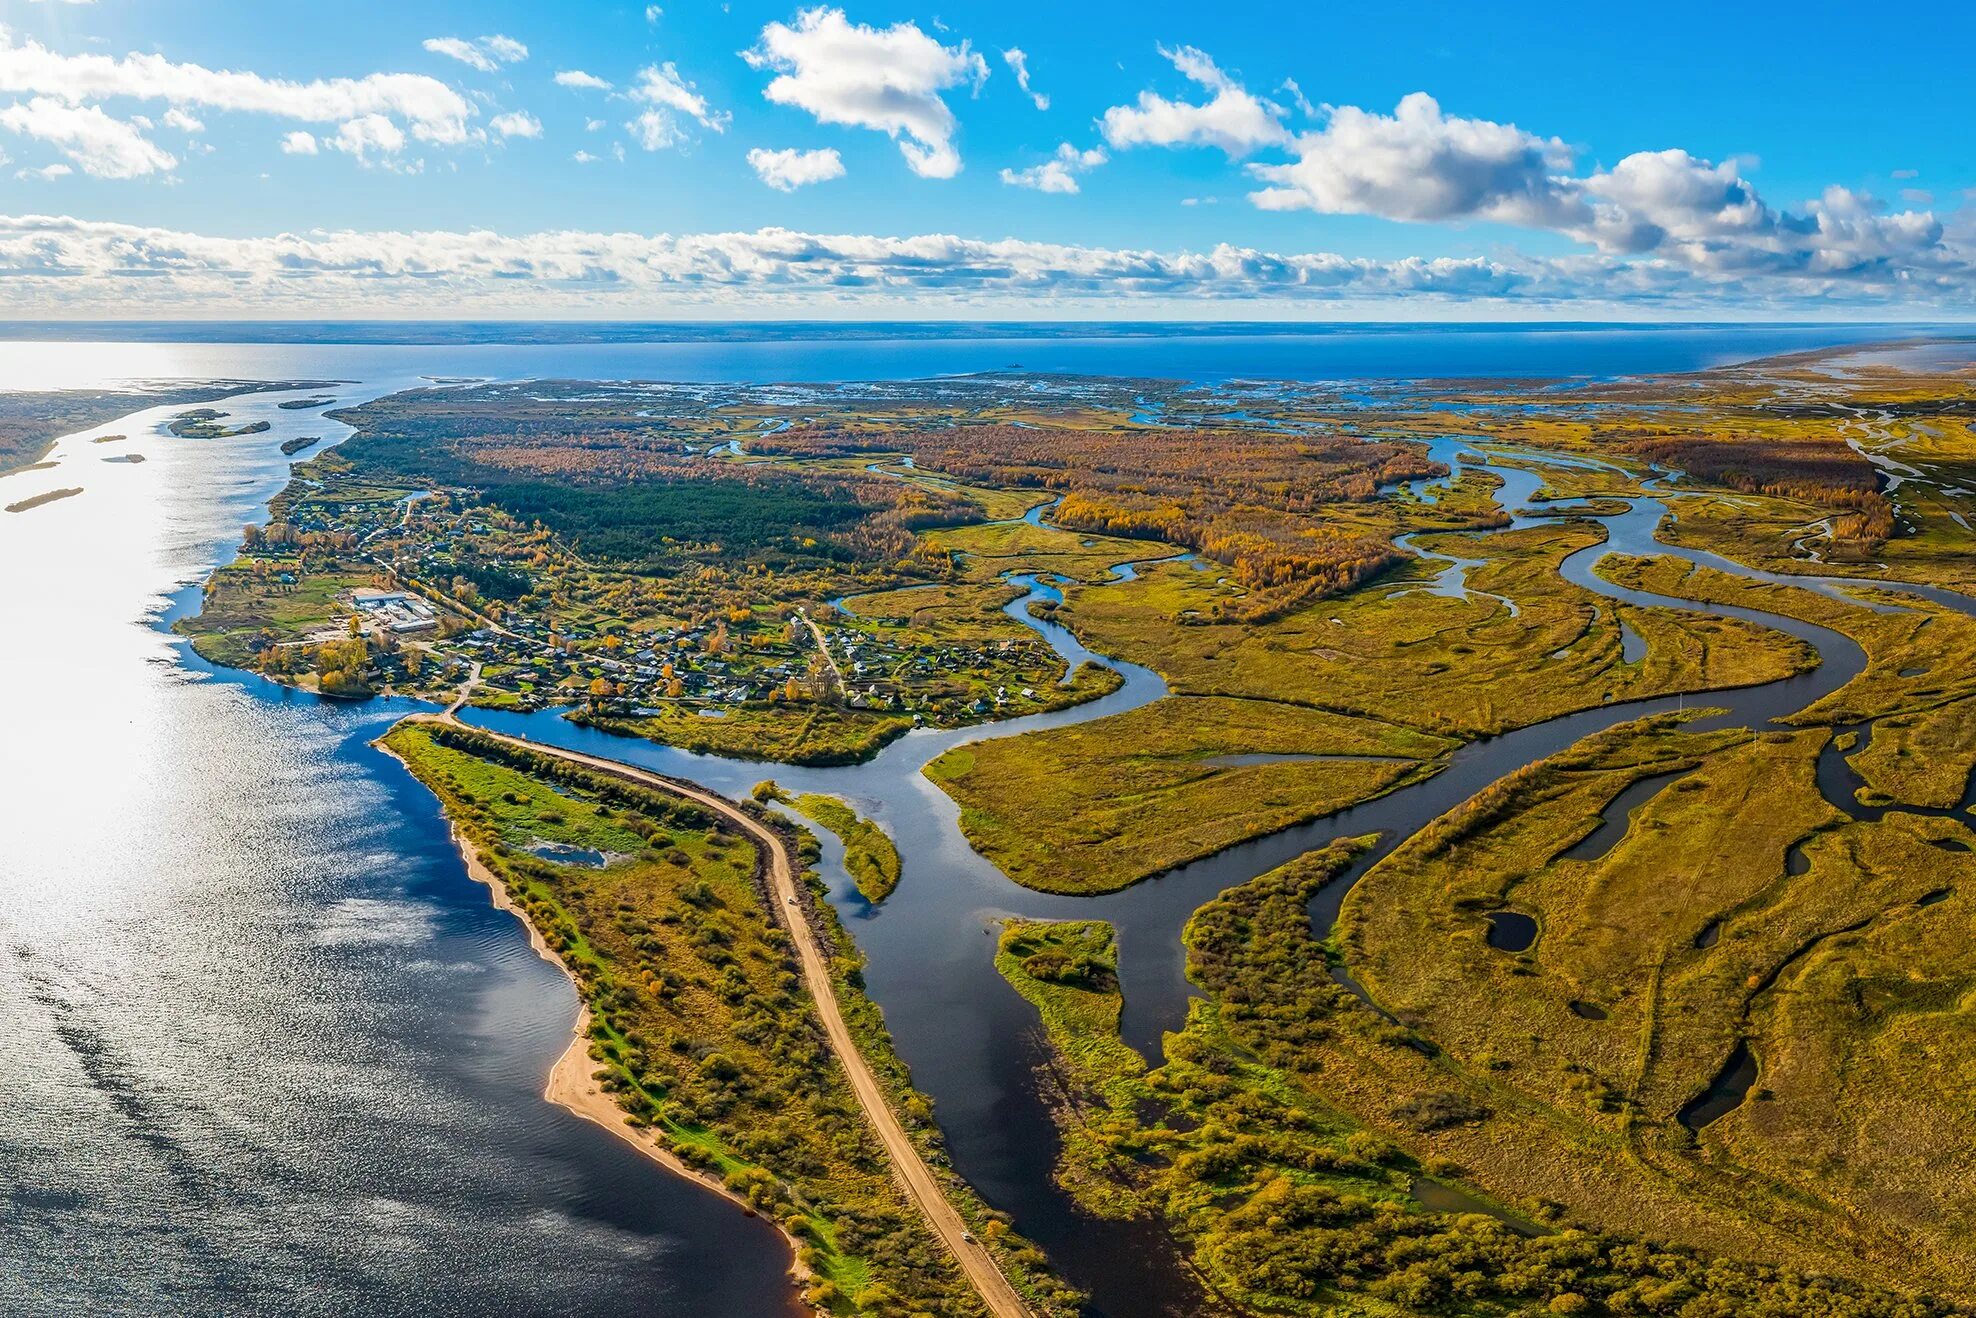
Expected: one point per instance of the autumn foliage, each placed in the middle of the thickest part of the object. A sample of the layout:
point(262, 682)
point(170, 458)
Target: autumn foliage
point(1242, 498)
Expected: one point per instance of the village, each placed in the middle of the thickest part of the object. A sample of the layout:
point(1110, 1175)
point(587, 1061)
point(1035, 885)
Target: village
point(441, 594)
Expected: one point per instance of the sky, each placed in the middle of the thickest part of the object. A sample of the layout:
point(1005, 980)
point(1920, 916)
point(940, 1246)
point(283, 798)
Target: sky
point(1027, 159)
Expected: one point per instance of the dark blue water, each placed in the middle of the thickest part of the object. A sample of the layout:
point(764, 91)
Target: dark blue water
point(808, 353)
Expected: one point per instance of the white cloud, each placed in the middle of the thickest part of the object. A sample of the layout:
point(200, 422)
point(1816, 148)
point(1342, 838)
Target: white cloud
point(666, 96)
point(51, 264)
point(102, 146)
point(1232, 119)
point(47, 173)
point(1059, 173)
point(486, 54)
point(655, 130)
point(1018, 63)
point(367, 138)
point(886, 79)
point(584, 158)
point(1418, 164)
point(582, 81)
point(299, 143)
point(185, 123)
point(653, 13)
point(428, 108)
point(787, 170)
point(516, 123)
point(1907, 173)
point(1297, 98)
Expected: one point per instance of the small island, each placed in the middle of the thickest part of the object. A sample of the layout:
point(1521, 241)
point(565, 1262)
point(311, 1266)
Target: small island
point(203, 423)
point(49, 496)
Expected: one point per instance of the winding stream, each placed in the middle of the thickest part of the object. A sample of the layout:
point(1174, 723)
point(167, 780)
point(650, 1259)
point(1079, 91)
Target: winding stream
point(973, 1043)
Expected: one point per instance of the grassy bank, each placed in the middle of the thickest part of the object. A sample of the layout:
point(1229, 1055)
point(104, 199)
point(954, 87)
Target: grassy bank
point(1097, 806)
point(697, 1017)
point(869, 854)
point(808, 735)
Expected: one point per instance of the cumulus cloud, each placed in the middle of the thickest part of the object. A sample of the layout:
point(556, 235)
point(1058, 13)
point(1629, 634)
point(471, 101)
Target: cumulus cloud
point(1232, 119)
point(299, 143)
point(1018, 63)
point(1059, 173)
point(888, 79)
point(100, 145)
point(419, 106)
point(666, 97)
point(487, 54)
point(185, 123)
point(47, 173)
point(787, 170)
point(1419, 164)
point(577, 78)
point(368, 137)
point(516, 123)
point(1422, 165)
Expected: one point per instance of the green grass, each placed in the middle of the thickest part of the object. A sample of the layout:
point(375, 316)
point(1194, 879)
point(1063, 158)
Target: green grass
point(1858, 1034)
point(1245, 1145)
point(699, 1020)
point(869, 855)
point(1097, 806)
point(795, 734)
point(1448, 667)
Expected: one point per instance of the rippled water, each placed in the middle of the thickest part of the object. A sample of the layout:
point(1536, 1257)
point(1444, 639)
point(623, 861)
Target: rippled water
point(266, 1049)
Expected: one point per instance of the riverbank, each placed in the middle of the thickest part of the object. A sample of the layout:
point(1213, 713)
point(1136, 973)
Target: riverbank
point(751, 1072)
point(572, 1082)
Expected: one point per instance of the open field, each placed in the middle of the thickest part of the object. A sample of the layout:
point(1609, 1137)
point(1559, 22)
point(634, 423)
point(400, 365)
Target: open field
point(1652, 961)
point(1096, 806)
point(1442, 666)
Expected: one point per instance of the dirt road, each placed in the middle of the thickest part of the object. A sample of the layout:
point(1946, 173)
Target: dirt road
point(921, 1182)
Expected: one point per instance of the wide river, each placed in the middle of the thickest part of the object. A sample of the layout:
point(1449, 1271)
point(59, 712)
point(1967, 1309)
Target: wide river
point(269, 1050)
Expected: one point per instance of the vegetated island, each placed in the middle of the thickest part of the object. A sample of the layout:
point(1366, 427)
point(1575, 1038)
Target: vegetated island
point(125, 457)
point(695, 1021)
point(870, 857)
point(304, 404)
point(290, 447)
point(204, 423)
point(46, 496)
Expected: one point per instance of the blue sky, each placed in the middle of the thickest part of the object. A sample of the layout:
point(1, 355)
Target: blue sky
point(1239, 160)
